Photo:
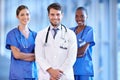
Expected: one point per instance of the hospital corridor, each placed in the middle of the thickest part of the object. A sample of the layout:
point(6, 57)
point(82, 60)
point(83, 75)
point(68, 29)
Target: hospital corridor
point(103, 16)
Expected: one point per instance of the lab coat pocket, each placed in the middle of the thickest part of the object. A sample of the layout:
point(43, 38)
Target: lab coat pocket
point(64, 44)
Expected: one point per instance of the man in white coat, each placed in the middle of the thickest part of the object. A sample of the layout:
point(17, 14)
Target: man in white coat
point(55, 51)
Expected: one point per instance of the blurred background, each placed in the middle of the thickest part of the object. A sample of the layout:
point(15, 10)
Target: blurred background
point(103, 16)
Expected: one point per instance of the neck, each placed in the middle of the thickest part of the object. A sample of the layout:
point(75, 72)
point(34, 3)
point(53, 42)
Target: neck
point(79, 29)
point(23, 27)
point(24, 30)
point(55, 26)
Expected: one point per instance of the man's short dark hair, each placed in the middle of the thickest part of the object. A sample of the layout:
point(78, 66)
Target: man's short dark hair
point(55, 6)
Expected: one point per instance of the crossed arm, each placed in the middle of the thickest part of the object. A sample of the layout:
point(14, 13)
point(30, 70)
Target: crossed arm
point(81, 50)
point(21, 55)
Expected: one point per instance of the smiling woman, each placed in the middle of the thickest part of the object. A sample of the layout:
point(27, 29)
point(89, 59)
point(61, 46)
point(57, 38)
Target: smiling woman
point(17, 41)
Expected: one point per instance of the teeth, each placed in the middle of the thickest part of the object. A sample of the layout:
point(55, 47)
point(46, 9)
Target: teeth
point(79, 22)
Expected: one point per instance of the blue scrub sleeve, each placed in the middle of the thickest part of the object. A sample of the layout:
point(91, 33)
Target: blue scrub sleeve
point(90, 37)
point(11, 40)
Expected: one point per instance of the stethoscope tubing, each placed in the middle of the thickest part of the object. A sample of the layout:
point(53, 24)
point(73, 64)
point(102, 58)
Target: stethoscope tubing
point(46, 38)
point(82, 32)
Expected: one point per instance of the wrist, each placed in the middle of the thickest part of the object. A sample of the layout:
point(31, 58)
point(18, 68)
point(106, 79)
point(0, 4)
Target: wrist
point(49, 69)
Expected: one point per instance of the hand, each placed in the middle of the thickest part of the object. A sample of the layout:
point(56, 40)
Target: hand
point(51, 78)
point(55, 73)
point(79, 55)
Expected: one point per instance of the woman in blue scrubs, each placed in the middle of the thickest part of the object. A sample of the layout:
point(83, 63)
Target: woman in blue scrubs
point(21, 42)
point(83, 67)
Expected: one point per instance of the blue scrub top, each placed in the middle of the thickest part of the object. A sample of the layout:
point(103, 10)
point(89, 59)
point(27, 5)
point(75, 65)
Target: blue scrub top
point(20, 69)
point(84, 65)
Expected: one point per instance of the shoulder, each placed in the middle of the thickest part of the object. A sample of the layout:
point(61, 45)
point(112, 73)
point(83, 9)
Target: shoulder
point(11, 32)
point(70, 32)
point(42, 31)
point(33, 32)
point(89, 28)
point(71, 36)
point(72, 28)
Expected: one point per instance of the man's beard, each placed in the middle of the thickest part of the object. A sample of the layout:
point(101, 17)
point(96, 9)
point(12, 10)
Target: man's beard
point(55, 24)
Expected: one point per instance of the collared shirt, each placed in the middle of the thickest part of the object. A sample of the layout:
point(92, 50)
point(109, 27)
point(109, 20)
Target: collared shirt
point(51, 29)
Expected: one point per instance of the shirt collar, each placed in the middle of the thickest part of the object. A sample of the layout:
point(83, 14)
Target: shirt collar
point(59, 27)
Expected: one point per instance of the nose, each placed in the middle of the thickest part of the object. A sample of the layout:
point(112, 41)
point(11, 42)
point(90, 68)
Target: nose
point(26, 16)
point(55, 16)
point(79, 18)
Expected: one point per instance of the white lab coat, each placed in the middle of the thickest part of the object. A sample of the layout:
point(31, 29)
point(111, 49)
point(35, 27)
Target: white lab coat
point(51, 55)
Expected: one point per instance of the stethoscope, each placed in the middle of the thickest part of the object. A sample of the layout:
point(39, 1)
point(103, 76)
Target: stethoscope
point(24, 41)
point(62, 37)
point(81, 41)
point(82, 32)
